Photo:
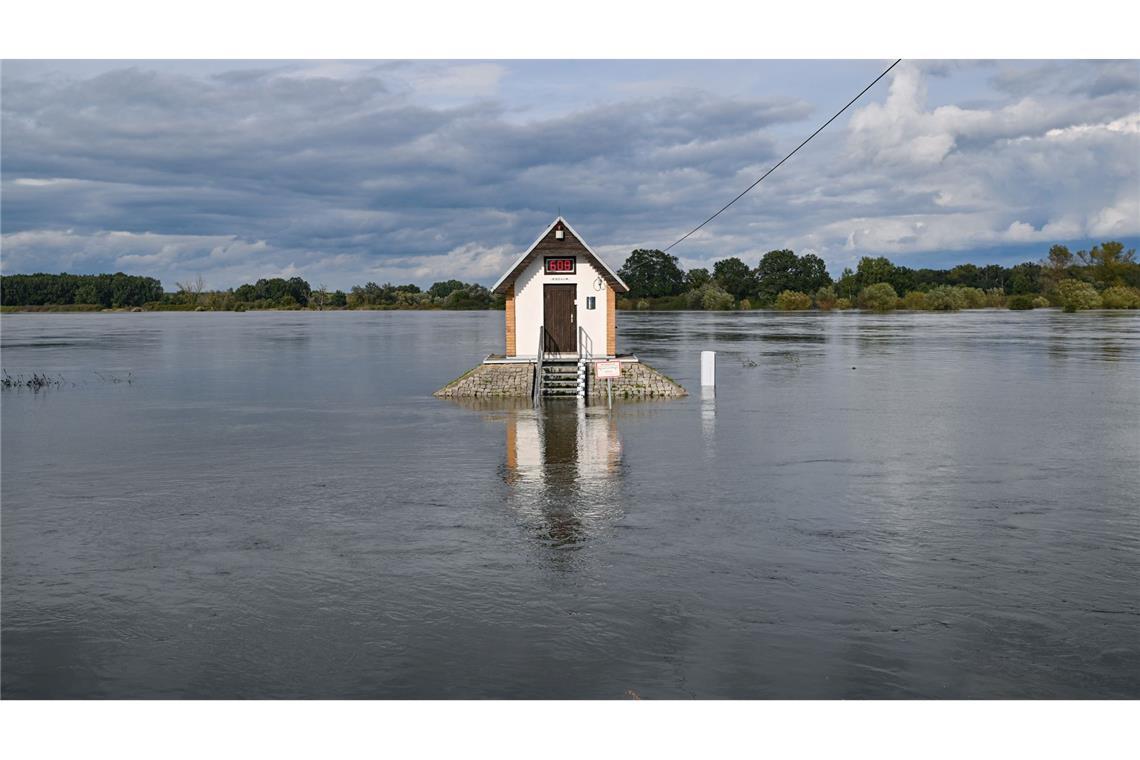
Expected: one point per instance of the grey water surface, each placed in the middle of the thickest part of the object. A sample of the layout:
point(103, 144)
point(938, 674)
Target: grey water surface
point(271, 505)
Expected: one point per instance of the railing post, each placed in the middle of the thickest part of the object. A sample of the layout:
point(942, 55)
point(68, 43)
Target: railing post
point(538, 365)
point(585, 356)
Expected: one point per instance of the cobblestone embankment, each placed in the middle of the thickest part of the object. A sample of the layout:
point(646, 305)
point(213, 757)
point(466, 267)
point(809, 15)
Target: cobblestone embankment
point(493, 381)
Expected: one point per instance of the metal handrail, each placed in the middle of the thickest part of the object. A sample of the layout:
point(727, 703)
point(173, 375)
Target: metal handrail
point(586, 354)
point(585, 345)
point(538, 365)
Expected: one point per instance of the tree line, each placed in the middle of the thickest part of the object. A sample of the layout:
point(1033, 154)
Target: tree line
point(109, 291)
point(86, 292)
point(1106, 276)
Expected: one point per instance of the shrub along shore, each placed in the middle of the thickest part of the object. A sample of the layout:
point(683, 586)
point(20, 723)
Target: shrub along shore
point(1107, 276)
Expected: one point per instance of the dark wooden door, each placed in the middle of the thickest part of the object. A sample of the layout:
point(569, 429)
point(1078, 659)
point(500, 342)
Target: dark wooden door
point(558, 317)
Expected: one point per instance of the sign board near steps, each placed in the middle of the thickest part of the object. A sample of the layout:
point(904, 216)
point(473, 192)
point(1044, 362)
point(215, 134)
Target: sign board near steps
point(607, 370)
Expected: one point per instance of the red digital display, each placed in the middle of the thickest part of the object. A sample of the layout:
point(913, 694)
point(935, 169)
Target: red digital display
point(560, 265)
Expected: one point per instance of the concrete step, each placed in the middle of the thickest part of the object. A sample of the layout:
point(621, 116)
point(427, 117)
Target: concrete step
point(559, 379)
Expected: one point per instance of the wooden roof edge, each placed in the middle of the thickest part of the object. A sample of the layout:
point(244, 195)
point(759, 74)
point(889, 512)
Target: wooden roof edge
point(512, 274)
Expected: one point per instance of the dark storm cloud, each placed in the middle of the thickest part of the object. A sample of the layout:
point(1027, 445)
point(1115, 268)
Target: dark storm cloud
point(324, 166)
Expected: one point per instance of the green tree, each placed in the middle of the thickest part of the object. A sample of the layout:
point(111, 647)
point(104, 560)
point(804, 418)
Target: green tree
point(651, 273)
point(1108, 263)
point(1075, 295)
point(469, 297)
point(1120, 297)
point(1059, 257)
point(925, 279)
point(777, 271)
point(811, 273)
point(86, 293)
point(975, 297)
point(992, 276)
point(902, 279)
point(945, 298)
point(1025, 278)
point(710, 297)
point(848, 285)
point(874, 270)
point(697, 277)
point(274, 292)
point(915, 300)
point(791, 300)
point(878, 297)
point(826, 297)
point(735, 277)
point(964, 274)
point(1055, 267)
point(716, 299)
point(444, 289)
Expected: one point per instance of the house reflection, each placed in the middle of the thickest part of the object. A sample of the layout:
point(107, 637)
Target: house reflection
point(563, 465)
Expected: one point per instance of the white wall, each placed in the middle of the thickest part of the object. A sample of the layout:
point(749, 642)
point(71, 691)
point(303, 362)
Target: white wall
point(528, 304)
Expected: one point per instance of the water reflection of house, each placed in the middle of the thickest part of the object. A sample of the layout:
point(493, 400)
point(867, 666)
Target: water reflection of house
point(563, 464)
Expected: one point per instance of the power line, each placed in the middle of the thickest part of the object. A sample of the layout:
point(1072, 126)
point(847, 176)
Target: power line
point(785, 158)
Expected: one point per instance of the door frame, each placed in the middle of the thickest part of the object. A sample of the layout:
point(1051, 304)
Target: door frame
point(547, 340)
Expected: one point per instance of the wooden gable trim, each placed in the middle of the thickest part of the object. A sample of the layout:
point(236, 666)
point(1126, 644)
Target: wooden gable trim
point(572, 244)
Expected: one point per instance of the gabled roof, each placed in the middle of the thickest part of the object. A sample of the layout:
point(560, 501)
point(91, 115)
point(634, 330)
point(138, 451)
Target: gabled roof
point(610, 275)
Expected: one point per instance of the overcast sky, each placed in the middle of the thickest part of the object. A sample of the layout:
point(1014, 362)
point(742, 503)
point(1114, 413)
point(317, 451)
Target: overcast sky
point(345, 172)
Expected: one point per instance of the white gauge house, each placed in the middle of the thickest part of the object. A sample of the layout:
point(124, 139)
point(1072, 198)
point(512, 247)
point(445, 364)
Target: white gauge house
point(560, 330)
point(563, 294)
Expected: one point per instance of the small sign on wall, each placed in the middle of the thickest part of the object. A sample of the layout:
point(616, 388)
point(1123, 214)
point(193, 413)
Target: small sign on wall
point(610, 370)
point(560, 264)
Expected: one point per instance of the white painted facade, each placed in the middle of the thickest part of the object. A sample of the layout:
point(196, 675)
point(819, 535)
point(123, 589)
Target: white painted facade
point(529, 304)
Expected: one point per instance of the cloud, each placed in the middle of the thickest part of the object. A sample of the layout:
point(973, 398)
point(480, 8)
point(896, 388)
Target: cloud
point(345, 172)
point(457, 81)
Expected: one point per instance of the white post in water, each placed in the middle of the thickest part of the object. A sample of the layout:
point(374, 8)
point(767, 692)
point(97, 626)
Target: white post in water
point(708, 369)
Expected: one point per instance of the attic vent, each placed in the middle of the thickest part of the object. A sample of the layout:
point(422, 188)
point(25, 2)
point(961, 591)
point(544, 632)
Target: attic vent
point(559, 234)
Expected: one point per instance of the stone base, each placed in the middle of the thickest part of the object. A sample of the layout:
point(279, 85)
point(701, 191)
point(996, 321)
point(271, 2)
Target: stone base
point(492, 381)
point(516, 380)
point(638, 380)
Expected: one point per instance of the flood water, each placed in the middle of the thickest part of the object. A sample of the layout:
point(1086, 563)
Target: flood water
point(273, 505)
